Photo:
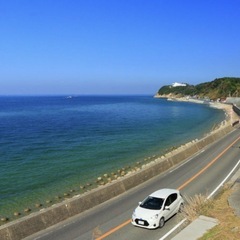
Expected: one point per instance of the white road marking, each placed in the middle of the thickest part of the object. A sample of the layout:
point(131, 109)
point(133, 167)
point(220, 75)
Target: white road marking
point(213, 192)
point(173, 229)
point(224, 180)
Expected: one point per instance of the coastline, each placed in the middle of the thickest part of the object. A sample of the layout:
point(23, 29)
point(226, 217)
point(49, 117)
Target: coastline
point(231, 115)
point(226, 107)
point(56, 213)
point(123, 171)
point(146, 145)
point(71, 206)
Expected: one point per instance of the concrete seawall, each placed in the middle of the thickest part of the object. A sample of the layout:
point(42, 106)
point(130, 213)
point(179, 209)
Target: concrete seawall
point(236, 109)
point(45, 218)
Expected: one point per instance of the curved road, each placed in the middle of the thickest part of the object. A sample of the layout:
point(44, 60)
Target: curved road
point(202, 173)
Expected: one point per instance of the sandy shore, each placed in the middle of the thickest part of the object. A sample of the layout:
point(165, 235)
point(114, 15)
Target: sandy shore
point(231, 116)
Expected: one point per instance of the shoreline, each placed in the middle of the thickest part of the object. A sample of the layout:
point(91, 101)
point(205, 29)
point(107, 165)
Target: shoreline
point(226, 107)
point(231, 115)
point(77, 204)
point(172, 137)
point(45, 216)
point(118, 174)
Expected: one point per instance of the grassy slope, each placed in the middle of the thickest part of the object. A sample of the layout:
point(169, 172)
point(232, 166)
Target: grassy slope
point(229, 224)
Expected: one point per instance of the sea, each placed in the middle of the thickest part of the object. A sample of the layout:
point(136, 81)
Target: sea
point(53, 146)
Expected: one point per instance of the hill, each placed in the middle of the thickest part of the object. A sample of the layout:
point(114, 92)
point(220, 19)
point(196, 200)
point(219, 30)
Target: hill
point(218, 88)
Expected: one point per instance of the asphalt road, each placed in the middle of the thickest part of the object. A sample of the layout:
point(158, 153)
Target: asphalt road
point(200, 174)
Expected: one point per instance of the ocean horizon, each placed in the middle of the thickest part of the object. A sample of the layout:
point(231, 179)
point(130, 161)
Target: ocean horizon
point(53, 144)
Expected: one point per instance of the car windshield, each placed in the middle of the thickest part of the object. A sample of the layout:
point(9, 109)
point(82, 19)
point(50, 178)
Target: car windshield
point(152, 203)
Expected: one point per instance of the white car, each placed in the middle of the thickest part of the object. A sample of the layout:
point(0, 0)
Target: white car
point(157, 208)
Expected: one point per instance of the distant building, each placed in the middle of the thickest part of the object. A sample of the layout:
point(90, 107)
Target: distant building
point(176, 84)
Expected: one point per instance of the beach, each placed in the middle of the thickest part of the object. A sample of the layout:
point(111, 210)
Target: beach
point(231, 115)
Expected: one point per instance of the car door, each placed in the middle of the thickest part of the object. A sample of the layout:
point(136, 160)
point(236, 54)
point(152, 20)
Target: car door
point(174, 203)
point(166, 208)
point(170, 206)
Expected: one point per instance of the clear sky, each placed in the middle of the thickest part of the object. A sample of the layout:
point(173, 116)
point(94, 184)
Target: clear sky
point(115, 46)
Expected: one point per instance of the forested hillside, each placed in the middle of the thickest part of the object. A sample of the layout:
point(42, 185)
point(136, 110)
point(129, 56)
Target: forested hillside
point(218, 88)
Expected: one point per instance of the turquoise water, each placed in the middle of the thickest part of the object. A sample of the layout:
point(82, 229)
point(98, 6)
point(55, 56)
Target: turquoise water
point(50, 145)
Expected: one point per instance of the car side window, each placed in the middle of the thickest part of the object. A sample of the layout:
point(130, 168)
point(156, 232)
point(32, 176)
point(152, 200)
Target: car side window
point(168, 201)
point(171, 198)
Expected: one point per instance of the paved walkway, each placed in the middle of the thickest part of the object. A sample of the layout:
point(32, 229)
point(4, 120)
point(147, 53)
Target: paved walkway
point(196, 229)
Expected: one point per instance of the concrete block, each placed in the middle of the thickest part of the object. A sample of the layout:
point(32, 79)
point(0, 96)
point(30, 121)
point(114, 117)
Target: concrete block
point(4, 234)
point(136, 179)
point(177, 158)
point(131, 181)
point(162, 166)
point(54, 215)
point(23, 228)
point(191, 150)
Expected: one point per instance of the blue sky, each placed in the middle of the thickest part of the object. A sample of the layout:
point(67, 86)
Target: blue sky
point(115, 46)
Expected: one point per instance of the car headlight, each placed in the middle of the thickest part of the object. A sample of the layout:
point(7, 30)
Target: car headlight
point(134, 215)
point(155, 216)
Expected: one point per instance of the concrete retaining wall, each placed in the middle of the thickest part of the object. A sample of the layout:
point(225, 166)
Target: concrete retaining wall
point(233, 100)
point(45, 218)
point(236, 109)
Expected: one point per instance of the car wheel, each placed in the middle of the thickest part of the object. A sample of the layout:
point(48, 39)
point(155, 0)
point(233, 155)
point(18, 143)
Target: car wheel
point(161, 222)
point(180, 208)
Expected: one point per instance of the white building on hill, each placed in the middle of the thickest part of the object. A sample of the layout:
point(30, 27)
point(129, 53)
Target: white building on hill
point(176, 84)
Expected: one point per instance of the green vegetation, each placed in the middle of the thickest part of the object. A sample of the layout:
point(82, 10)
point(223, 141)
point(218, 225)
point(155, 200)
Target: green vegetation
point(196, 206)
point(218, 208)
point(218, 88)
